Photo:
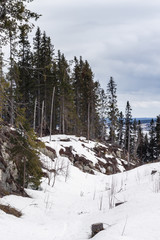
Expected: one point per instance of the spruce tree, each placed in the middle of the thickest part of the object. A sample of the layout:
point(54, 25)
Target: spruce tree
point(157, 129)
point(25, 152)
point(140, 144)
point(152, 142)
point(37, 74)
point(25, 85)
point(146, 149)
point(121, 130)
point(102, 113)
point(13, 14)
point(128, 131)
point(113, 111)
point(66, 118)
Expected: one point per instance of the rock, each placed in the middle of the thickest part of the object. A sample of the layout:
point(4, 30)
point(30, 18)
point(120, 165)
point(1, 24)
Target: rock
point(153, 172)
point(119, 203)
point(88, 169)
point(96, 228)
point(67, 153)
point(49, 152)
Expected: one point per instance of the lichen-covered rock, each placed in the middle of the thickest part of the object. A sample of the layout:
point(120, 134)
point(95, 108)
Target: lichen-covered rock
point(8, 169)
point(49, 152)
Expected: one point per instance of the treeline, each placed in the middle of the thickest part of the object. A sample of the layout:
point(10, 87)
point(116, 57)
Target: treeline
point(127, 132)
point(38, 77)
point(54, 95)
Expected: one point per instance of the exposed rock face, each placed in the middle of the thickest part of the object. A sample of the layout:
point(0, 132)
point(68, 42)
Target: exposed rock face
point(67, 152)
point(110, 159)
point(8, 170)
point(49, 152)
point(96, 228)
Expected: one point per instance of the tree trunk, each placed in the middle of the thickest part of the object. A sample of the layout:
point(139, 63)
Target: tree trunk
point(24, 173)
point(34, 120)
point(129, 146)
point(88, 130)
point(42, 119)
point(63, 116)
point(11, 87)
point(51, 118)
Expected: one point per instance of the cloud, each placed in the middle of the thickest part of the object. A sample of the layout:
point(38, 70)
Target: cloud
point(119, 38)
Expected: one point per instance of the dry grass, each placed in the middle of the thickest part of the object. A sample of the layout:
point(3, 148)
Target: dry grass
point(10, 210)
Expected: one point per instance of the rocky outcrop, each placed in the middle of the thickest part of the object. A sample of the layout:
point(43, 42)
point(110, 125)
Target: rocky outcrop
point(8, 170)
point(49, 152)
point(109, 159)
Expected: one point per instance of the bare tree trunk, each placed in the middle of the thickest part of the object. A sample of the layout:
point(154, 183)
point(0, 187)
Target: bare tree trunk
point(88, 130)
point(63, 116)
point(51, 118)
point(24, 173)
point(11, 87)
point(129, 147)
point(34, 120)
point(39, 102)
point(42, 119)
point(45, 105)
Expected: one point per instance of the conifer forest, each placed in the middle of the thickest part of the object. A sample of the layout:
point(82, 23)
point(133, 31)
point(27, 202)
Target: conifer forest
point(79, 120)
point(43, 93)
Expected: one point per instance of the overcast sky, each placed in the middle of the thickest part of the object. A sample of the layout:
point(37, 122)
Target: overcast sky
point(119, 38)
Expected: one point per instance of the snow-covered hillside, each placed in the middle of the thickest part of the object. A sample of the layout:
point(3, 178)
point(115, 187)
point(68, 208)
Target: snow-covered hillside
point(78, 199)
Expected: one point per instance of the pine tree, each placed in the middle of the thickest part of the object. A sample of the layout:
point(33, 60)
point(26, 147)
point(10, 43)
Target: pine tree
point(128, 131)
point(66, 118)
point(152, 142)
point(37, 75)
point(102, 109)
point(113, 112)
point(25, 152)
point(157, 129)
point(86, 100)
point(13, 14)
point(146, 149)
point(140, 144)
point(48, 80)
point(25, 84)
point(121, 130)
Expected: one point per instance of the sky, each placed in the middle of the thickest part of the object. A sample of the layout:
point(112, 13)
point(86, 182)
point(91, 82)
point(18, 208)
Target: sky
point(119, 38)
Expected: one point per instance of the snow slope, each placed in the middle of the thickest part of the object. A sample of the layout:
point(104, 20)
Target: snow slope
point(78, 200)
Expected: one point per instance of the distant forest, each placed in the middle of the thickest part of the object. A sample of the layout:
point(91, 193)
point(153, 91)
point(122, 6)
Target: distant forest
point(53, 95)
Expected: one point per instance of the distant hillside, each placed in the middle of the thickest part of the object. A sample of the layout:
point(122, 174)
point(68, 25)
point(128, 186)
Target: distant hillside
point(145, 120)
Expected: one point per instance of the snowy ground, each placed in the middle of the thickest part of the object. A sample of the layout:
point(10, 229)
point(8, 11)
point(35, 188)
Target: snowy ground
point(78, 200)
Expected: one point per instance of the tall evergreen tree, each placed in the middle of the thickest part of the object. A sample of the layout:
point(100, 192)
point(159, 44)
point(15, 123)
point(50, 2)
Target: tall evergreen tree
point(102, 108)
point(13, 14)
point(66, 118)
point(140, 143)
point(37, 73)
point(128, 131)
point(25, 85)
point(113, 112)
point(121, 130)
point(152, 142)
point(157, 129)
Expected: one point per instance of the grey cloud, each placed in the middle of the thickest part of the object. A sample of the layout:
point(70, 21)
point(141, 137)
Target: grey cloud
point(119, 38)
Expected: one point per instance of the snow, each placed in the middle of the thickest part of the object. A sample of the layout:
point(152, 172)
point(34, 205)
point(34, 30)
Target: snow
point(79, 145)
point(67, 210)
